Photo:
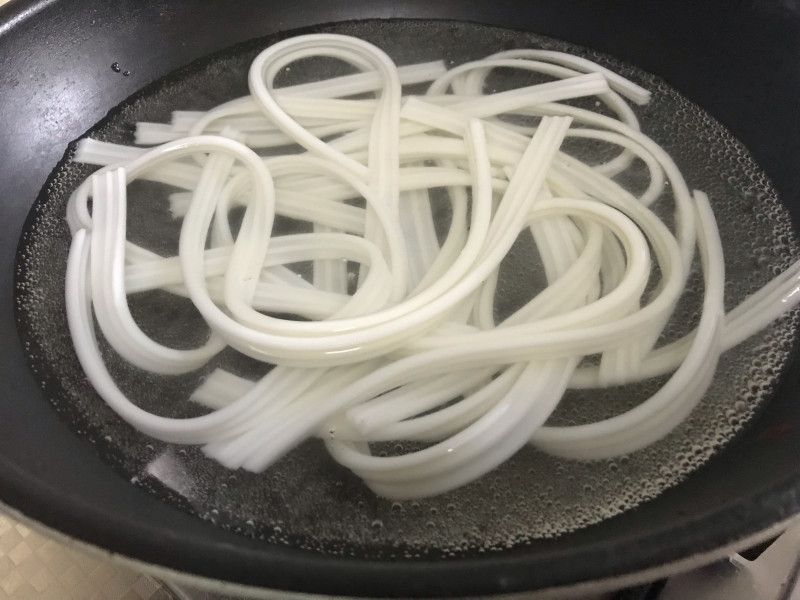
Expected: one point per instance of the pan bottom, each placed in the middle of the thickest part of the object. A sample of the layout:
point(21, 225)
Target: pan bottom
point(306, 499)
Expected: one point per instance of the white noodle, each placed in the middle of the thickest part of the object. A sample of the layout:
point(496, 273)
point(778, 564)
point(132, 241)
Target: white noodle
point(414, 352)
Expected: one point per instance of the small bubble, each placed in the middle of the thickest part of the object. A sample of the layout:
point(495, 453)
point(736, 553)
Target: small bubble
point(115, 67)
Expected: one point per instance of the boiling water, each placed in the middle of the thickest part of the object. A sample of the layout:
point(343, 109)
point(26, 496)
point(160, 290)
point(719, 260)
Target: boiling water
point(308, 500)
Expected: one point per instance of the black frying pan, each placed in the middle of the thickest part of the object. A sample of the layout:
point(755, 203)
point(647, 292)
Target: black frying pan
point(738, 60)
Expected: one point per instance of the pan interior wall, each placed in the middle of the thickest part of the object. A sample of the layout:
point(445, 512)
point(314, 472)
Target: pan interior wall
point(306, 499)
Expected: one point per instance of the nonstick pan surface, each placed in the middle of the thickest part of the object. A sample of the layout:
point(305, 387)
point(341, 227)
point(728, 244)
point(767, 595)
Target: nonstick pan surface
point(738, 63)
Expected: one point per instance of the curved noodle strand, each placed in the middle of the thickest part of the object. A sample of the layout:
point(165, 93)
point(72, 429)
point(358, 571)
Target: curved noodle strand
point(410, 209)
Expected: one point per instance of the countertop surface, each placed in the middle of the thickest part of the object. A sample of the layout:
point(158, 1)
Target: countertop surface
point(35, 567)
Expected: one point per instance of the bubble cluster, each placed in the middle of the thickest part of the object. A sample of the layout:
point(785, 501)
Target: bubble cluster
point(308, 501)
